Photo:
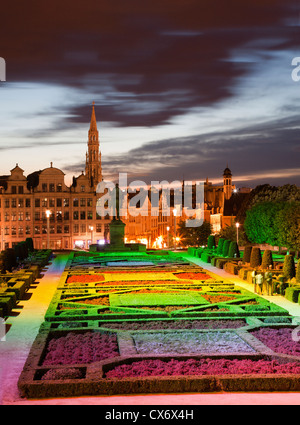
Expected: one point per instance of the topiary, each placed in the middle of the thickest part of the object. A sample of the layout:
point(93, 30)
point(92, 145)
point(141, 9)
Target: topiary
point(9, 259)
point(298, 272)
point(29, 243)
point(211, 243)
point(233, 251)
point(225, 248)
point(255, 258)
point(247, 254)
point(220, 246)
point(267, 259)
point(289, 270)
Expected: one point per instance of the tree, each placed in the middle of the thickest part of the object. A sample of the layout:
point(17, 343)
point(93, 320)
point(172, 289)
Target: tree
point(298, 272)
point(247, 254)
point(194, 236)
point(220, 246)
point(267, 259)
point(255, 259)
point(287, 221)
point(289, 270)
point(233, 250)
point(211, 243)
point(226, 248)
point(230, 232)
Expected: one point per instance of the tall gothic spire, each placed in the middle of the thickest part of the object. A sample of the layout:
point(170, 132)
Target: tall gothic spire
point(93, 156)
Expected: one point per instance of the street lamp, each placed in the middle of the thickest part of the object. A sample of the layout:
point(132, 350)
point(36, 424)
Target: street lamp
point(91, 229)
point(48, 213)
point(168, 228)
point(175, 214)
point(237, 232)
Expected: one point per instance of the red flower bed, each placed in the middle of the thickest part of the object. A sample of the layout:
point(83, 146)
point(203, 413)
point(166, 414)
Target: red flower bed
point(177, 324)
point(279, 340)
point(78, 348)
point(193, 276)
point(205, 366)
point(85, 278)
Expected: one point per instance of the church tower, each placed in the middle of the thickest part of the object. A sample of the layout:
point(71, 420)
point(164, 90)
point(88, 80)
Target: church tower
point(227, 183)
point(93, 168)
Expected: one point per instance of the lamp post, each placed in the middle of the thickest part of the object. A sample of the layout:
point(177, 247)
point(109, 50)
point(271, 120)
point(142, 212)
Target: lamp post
point(48, 213)
point(91, 229)
point(175, 213)
point(237, 232)
point(168, 228)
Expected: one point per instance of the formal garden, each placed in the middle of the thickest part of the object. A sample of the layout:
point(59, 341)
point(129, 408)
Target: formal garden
point(153, 322)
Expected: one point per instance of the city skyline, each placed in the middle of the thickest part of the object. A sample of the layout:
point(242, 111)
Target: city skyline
point(180, 89)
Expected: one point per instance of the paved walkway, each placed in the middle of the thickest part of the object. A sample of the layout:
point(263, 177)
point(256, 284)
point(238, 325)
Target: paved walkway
point(25, 326)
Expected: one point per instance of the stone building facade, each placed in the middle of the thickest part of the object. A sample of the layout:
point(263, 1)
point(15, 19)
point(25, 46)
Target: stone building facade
point(73, 220)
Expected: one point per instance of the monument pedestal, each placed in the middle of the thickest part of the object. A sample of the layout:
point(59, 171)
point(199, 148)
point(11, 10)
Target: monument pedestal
point(116, 234)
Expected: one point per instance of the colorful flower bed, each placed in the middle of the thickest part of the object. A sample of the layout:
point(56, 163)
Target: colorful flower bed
point(279, 340)
point(85, 278)
point(78, 348)
point(176, 324)
point(204, 366)
point(193, 276)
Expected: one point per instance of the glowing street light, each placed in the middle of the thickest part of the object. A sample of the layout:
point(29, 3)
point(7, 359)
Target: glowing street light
point(175, 214)
point(48, 213)
point(91, 229)
point(168, 229)
point(237, 232)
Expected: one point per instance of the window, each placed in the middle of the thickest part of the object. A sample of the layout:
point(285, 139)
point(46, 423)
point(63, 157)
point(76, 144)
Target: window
point(66, 215)
point(51, 187)
point(13, 217)
point(20, 230)
point(82, 188)
point(14, 189)
point(59, 202)
point(44, 187)
point(44, 203)
point(83, 228)
point(59, 229)
point(90, 215)
point(59, 187)
point(66, 202)
point(51, 203)
point(27, 203)
point(37, 230)
point(6, 230)
point(21, 189)
point(44, 229)
point(82, 215)
point(82, 202)
point(36, 215)
point(21, 216)
point(89, 202)
point(6, 217)
point(37, 203)
point(75, 202)
point(66, 229)
point(75, 215)
point(6, 203)
point(27, 216)
point(58, 215)
point(52, 230)
point(21, 203)
point(76, 228)
point(98, 228)
point(14, 203)
point(27, 230)
point(13, 230)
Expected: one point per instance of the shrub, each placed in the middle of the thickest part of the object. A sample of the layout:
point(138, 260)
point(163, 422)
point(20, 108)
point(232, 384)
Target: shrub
point(211, 243)
point(233, 251)
point(220, 246)
point(9, 259)
point(225, 248)
point(267, 259)
point(292, 294)
point(255, 258)
point(289, 267)
point(247, 254)
point(29, 243)
point(298, 272)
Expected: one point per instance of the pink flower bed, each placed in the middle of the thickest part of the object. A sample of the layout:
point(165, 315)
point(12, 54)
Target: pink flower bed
point(78, 348)
point(205, 366)
point(279, 340)
point(178, 324)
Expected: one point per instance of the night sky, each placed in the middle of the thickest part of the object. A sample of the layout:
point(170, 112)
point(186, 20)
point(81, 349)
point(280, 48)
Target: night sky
point(181, 88)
